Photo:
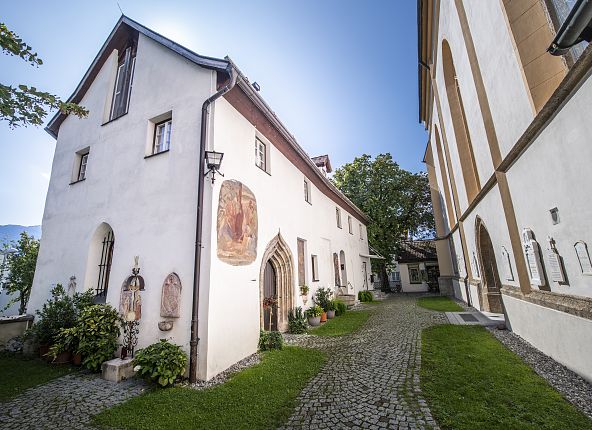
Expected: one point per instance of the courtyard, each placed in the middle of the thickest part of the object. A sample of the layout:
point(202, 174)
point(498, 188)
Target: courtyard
point(401, 367)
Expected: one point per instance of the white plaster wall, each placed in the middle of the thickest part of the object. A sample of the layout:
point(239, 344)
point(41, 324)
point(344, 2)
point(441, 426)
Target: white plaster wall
point(564, 337)
point(149, 203)
point(555, 172)
point(406, 285)
point(233, 318)
point(449, 29)
point(509, 100)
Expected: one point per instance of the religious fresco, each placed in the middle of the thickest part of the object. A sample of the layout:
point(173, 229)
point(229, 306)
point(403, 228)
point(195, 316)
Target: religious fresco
point(237, 224)
point(170, 300)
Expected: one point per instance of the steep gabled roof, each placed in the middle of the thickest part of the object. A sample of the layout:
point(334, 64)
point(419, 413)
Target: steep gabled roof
point(120, 33)
point(414, 251)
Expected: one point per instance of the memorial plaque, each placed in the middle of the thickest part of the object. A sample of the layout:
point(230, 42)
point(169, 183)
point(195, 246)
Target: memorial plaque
point(583, 257)
point(555, 264)
point(171, 297)
point(533, 260)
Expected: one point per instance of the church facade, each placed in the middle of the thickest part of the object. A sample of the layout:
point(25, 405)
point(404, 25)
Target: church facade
point(504, 95)
point(182, 164)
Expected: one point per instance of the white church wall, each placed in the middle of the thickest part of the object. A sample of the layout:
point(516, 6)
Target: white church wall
point(234, 308)
point(149, 203)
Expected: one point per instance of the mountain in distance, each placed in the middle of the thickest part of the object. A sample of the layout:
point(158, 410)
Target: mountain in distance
point(11, 232)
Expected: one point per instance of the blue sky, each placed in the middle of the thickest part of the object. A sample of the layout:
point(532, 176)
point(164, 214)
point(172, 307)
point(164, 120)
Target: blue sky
point(341, 74)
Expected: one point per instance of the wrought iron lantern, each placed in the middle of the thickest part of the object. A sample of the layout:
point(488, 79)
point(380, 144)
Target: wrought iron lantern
point(213, 162)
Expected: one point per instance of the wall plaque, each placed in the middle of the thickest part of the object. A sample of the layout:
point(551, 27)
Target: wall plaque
point(533, 259)
point(475, 267)
point(508, 264)
point(583, 257)
point(555, 263)
point(461, 266)
point(170, 301)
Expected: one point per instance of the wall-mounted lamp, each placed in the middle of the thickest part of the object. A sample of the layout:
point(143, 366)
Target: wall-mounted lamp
point(213, 162)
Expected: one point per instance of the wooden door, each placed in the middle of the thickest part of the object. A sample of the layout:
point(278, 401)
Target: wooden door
point(270, 290)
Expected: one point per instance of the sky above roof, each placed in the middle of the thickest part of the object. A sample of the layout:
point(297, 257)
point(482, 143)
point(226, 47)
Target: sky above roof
point(340, 74)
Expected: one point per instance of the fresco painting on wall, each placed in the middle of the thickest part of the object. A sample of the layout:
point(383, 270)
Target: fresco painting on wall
point(237, 224)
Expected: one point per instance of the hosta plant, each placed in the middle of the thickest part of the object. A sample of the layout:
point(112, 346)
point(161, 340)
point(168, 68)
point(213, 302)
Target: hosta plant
point(162, 362)
point(99, 329)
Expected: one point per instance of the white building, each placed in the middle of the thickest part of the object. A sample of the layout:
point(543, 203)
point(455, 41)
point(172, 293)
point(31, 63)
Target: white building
point(415, 268)
point(127, 180)
point(508, 159)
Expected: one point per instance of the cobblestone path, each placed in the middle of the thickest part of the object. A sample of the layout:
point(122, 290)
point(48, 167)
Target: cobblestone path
point(65, 403)
point(371, 378)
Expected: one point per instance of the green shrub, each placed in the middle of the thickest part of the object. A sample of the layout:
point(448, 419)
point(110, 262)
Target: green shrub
point(296, 321)
point(365, 296)
point(269, 340)
point(99, 327)
point(323, 297)
point(315, 311)
point(340, 307)
point(59, 312)
point(68, 339)
point(162, 362)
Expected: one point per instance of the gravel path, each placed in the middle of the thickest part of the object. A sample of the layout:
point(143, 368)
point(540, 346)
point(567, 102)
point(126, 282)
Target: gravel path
point(572, 386)
point(66, 403)
point(371, 378)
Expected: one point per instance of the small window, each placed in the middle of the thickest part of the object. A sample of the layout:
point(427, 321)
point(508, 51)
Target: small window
point(260, 155)
point(338, 216)
point(315, 268)
point(361, 232)
point(162, 136)
point(414, 274)
point(307, 191)
point(82, 167)
point(350, 225)
point(123, 84)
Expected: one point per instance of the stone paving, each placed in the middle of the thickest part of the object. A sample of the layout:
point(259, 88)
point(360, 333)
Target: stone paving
point(66, 403)
point(371, 378)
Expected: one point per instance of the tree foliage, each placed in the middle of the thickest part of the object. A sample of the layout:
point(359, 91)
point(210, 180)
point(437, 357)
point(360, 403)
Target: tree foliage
point(396, 201)
point(20, 266)
point(21, 104)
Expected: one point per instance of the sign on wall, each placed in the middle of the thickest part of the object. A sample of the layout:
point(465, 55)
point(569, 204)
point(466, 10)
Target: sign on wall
point(533, 259)
point(555, 264)
point(583, 257)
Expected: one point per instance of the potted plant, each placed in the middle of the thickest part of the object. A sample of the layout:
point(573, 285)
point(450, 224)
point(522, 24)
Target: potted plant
point(304, 292)
point(65, 347)
point(314, 315)
point(331, 309)
point(322, 299)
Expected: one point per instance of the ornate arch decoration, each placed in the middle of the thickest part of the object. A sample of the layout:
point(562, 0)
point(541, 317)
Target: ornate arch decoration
point(279, 255)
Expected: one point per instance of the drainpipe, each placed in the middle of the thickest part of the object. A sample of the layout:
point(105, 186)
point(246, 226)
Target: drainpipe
point(575, 29)
point(205, 110)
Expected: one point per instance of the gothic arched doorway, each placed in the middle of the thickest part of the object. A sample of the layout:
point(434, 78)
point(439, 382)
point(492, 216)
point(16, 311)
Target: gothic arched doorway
point(276, 279)
point(490, 292)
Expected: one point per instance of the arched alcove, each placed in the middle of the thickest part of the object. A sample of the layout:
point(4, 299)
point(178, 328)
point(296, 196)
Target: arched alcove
point(277, 265)
point(490, 295)
point(460, 126)
point(99, 260)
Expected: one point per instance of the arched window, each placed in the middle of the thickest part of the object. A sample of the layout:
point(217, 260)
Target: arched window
point(100, 257)
point(533, 32)
point(459, 122)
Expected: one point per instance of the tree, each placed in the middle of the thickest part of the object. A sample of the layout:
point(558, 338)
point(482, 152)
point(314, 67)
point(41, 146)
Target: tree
point(396, 201)
point(23, 105)
point(20, 266)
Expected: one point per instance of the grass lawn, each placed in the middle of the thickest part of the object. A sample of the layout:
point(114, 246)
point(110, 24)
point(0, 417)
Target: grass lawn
point(471, 381)
point(261, 397)
point(17, 374)
point(440, 304)
point(344, 324)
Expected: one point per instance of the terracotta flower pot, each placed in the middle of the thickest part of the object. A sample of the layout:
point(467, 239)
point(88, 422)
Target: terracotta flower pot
point(330, 314)
point(43, 351)
point(324, 317)
point(63, 358)
point(314, 321)
point(77, 359)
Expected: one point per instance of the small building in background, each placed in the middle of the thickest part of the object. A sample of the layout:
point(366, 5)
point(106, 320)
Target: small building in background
point(415, 267)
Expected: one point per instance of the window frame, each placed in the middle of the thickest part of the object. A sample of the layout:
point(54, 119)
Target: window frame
point(155, 134)
point(350, 225)
point(338, 216)
point(307, 192)
point(264, 163)
point(82, 164)
point(414, 267)
point(315, 267)
point(126, 64)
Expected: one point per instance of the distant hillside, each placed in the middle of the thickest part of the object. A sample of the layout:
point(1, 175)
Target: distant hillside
point(9, 233)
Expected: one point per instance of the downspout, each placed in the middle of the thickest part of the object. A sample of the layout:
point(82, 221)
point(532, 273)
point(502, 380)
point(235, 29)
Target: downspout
point(575, 29)
point(205, 110)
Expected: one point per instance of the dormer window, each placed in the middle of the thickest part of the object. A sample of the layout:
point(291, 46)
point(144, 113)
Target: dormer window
point(123, 84)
